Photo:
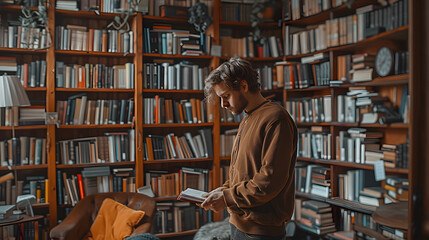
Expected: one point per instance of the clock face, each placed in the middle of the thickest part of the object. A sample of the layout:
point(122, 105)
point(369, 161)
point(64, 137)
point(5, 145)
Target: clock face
point(384, 61)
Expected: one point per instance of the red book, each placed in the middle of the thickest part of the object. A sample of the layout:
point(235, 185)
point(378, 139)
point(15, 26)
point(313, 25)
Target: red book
point(80, 183)
point(260, 51)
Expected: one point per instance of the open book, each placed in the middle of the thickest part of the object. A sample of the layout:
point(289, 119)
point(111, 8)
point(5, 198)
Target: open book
point(191, 195)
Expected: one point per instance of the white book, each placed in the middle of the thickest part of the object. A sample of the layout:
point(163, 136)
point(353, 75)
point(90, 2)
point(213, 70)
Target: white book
point(192, 195)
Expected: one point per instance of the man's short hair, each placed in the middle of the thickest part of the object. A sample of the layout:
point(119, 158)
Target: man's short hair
point(231, 73)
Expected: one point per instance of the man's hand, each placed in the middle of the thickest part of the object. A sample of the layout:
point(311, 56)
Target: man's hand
point(219, 189)
point(214, 201)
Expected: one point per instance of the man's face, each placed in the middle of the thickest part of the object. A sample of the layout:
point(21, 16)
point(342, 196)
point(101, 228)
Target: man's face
point(232, 100)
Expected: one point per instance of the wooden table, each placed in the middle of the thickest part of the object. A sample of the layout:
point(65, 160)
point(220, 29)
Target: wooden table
point(20, 222)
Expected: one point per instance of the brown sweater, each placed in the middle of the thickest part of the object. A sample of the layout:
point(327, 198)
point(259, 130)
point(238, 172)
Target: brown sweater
point(260, 192)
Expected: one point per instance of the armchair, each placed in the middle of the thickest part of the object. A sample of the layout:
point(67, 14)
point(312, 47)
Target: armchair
point(77, 224)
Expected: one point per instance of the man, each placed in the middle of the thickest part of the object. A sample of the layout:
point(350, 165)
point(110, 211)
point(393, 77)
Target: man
point(260, 193)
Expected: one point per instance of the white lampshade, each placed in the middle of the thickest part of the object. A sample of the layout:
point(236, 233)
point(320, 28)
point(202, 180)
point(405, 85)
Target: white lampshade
point(12, 93)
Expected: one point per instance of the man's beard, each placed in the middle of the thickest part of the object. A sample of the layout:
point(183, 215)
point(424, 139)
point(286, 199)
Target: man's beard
point(242, 104)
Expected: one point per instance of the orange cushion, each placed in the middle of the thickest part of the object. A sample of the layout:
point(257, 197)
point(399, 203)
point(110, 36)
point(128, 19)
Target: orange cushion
point(114, 221)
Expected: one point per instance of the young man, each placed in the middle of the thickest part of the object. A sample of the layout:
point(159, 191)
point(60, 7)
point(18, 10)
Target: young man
point(260, 193)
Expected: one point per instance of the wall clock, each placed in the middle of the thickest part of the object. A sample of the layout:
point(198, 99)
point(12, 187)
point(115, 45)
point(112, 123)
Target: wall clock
point(384, 61)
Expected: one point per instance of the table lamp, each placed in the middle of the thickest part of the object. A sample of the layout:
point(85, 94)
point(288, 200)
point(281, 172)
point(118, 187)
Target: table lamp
point(12, 94)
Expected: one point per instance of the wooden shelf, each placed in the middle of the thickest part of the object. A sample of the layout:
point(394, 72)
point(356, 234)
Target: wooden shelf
point(393, 125)
point(165, 19)
point(383, 81)
point(95, 126)
point(165, 199)
point(22, 50)
point(225, 158)
point(176, 234)
point(94, 90)
point(310, 196)
point(87, 14)
point(14, 8)
point(305, 124)
point(62, 166)
point(157, 55)
point(248, 24)
point(32, 127)
point(35, 89)
point(95, 54)
point(279, 90)
point(40, 205)
point(353, 165)
point(395, 34)
point(313, 88)
point(352, 205)
point(177, 125)
point(229, 124)
point(258, 59)
point(172, 91)
point(338, 124)
point(188, 160)
point(326, 15)
point(26, 167)
point(369, 232)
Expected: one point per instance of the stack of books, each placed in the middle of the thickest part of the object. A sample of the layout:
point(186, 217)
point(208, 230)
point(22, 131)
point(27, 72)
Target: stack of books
point(316, 217)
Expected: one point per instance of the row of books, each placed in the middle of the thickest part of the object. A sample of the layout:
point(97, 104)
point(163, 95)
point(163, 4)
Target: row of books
point(364, 105)
point(164, 183)
point(27, 230)
point(314, 216)
point(79, 110)
point(177, 217)
point(159, 110)
point(305, 8)
point(13, 35)
point(31, 74)
point(367, 21)
point(110, 148)
point(180, 76)
point(245, 46)
point(227, 140)
point(360, 186)
point(23, 116)
point(236, 12)
point(303, 75)
point(108, 6)
point(80, 38)
point(356, 145)
point(166, 40)
point(31, 3)
point(315, 143)
point(155, 7)
point(226, 116)
point(313, 179)
point(94, 76)
point(179, 147)
point(23, 151)
point(310, 109)
point(34, 185)
point(72, 188)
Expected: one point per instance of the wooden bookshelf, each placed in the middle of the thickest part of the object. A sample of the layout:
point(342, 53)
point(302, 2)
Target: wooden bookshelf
point(178, 125)
point(353, 165)
point(137, 21)
point(95, 54)
point(84, 165)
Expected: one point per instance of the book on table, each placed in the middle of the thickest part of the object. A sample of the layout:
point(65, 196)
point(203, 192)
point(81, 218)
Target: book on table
point(192, 195)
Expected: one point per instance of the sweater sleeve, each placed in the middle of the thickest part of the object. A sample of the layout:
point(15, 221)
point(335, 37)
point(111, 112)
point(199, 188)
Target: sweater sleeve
point(269, 181)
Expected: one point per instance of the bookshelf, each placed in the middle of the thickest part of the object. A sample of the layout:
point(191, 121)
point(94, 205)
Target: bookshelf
point(394, 133)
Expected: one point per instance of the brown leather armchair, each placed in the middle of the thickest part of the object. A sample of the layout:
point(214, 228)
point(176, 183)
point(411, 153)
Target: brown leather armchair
point(77, 224)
